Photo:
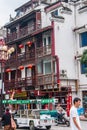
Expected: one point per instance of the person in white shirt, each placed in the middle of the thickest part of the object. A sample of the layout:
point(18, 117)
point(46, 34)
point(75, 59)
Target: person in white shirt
point(74, 117)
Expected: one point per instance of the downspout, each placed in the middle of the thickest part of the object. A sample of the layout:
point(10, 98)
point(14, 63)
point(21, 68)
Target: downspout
point(75, 40)
point(53, 53)
point(57, 67)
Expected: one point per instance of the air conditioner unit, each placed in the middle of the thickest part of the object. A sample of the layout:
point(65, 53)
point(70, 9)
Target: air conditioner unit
point(63, 73)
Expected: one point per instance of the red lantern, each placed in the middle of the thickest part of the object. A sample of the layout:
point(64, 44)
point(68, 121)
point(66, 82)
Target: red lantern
point(8, 70)
point(58, 82)
point(30, 66)
point(29, 43)
point(21, 46)
point(21, 67)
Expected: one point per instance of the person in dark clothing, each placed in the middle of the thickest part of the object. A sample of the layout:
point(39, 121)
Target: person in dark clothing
point(6, 118)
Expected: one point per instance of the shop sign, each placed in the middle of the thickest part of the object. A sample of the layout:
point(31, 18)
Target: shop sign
point(42, 101)
point(20, 94)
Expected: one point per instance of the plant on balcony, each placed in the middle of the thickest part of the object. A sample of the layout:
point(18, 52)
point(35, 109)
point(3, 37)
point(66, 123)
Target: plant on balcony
point(84, 60)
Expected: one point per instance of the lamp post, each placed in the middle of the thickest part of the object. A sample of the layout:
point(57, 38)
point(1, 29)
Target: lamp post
point(5, 53)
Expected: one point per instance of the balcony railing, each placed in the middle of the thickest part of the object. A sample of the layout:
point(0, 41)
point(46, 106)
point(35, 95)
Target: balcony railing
point(42, 51)
point(19, 83)
point(11, 37)
point(47, 79)
point(21, 33)
point(29, 57)
point(21, 58)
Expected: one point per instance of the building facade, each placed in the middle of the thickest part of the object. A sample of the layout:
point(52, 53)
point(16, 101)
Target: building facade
point(46, 37)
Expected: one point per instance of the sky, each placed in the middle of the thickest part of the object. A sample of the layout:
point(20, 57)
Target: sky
point(8, 7)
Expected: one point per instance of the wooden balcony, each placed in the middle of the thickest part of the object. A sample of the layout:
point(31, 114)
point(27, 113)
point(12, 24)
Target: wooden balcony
point(28, 57)
point(19, 83)
point(42, 51)
point(23, 32)
point(11, 37)
point(47, 79)
point(22, 58)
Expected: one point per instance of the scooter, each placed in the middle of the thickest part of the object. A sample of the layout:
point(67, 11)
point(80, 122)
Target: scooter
point(61, 119)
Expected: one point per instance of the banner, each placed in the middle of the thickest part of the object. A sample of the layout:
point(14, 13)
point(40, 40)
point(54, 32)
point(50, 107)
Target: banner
point(42, 101)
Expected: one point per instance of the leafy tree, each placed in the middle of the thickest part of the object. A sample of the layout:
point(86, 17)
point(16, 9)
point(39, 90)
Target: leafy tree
point(84, 59)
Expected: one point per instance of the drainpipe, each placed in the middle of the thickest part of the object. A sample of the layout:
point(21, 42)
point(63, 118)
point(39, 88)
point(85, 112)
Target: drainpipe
point(75, 41)
point(57, 67)
point(53, 52)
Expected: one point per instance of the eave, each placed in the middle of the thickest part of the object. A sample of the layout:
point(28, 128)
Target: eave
point(53, 6)
point(42, 30)
point(16, 20)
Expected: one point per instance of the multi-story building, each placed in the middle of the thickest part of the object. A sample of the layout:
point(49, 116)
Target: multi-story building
point(80, 37)
point(45, 36)
point(31, 68)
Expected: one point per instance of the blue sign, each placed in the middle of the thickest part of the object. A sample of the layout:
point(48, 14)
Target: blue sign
point(80, 111)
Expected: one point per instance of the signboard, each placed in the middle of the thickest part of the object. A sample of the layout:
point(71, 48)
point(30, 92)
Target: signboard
point(42, 101)
point(20, 94)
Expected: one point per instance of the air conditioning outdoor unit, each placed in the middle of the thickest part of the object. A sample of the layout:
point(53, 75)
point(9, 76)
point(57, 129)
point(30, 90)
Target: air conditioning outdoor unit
point(63, 73)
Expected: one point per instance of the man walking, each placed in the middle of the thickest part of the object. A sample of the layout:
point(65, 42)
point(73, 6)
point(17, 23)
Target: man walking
point(74, 117)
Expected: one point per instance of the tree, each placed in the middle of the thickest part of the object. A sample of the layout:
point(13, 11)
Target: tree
point(84, 60)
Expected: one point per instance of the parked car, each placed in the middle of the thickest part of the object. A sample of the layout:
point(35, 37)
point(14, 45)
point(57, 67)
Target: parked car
point(34, 119)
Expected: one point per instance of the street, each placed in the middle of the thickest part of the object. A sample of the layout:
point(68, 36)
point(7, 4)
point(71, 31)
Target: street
point(63, 127)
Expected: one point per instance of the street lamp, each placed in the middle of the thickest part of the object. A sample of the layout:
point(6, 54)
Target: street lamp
point(5, 53)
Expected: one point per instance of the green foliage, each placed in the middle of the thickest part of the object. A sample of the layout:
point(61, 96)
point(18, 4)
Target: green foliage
point(84, 57)
point(84, 60)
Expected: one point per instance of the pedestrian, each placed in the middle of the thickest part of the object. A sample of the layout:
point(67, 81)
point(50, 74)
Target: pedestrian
point(59, 111)
point(74, 117)
point(6, 119)
point(59, 108)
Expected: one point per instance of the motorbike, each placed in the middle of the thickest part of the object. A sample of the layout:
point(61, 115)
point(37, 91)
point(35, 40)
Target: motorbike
point(61, 119)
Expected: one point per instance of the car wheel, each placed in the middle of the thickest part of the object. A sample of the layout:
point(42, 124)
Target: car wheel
point(48, 127)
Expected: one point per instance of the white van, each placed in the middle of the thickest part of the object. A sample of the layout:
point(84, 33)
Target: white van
point(33, 119)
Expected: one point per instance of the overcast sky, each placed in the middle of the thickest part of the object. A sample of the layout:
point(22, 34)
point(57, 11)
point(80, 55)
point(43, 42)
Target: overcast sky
point(7, 7)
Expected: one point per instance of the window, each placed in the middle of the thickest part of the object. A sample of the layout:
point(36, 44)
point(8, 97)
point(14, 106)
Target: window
point(40, 67)
point(83, 37)
point(83, 68)
point(54, 13)
point(49, 40)
point(47, 44)
point(28, 72)
point(44, 41)
point(47, 67)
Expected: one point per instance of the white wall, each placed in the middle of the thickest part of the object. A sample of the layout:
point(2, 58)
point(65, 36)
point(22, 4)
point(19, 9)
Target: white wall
point(81, 20)
point(65, 46)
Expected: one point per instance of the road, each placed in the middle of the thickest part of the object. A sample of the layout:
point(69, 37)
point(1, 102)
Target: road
point(63, 127)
